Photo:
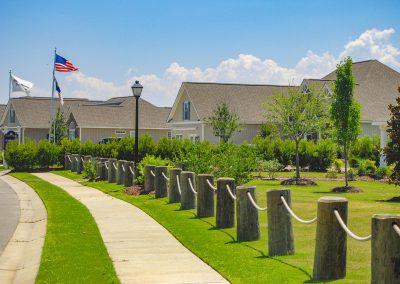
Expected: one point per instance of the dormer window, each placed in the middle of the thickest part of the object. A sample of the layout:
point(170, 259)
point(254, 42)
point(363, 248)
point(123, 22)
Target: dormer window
point(186, 110)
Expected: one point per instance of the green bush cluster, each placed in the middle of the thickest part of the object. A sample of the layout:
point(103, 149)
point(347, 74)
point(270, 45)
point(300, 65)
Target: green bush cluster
point(316, 156)
point(366, 148)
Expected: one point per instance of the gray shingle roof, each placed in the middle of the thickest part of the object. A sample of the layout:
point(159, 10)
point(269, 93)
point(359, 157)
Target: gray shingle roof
point(376, 88)
point(121, 115)
point(34, 112)
point(243, 99)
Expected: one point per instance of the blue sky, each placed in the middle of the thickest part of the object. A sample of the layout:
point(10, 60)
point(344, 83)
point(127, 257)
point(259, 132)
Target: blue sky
point(163, 43)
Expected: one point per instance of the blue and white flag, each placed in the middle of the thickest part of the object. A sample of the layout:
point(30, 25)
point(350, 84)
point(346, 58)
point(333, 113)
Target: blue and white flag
point(59, 92)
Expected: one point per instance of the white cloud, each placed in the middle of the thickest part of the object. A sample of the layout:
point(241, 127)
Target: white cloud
point(246, 68)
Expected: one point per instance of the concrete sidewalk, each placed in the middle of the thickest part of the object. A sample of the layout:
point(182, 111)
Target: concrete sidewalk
point(142, 250)
point(20, 260)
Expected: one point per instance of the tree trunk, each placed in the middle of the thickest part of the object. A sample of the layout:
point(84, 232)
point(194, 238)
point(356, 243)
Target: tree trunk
point(297, 161)
point(345, 164)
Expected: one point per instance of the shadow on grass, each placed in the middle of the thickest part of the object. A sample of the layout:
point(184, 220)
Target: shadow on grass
point(395, 199)
point(264, 256)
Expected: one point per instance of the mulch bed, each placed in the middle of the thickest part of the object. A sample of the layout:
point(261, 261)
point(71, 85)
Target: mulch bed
point(348, 189)
point(300, 181)
point(136, 190)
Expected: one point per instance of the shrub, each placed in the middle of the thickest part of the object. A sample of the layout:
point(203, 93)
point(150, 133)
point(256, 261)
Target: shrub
point(351, 175)
point(382, 172)
point(125, 148)
point(354, 162)
point(332, 173)
point(21, 156)
point(68, 146)
point(271, 167)
point(146, 146)
point(307, 153)
point(284, 151)
point(338, 165)
point(235, 161)
point(264, 148)
point(150, 160)
point(47, 153)
point(88, 148)
point(367, 148)
point(89, 170)
point(197, 158)
point(366, 167)
point(324, 156)
point(108, 150)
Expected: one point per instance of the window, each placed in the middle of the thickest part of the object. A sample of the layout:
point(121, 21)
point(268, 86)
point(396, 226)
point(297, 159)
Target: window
point(169, 135)
point(178, 136)
point(186, 110)
point(12, 115)
point(71, 134)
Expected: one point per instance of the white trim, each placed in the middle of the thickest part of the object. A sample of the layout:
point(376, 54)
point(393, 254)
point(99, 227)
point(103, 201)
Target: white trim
point(184, 129)
point(202, 132)
point(186, 122)
point(124, 128)
point(80, 134)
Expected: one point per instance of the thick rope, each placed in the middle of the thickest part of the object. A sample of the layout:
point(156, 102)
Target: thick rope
point(76, 159)
point(396, 229)
point(254, 203)
point(123, 168)
point(130, 168)
point(295, 216)
point(105, 163)
point(178, 184)
point(82, 160)
point(166, 178)
point(347, 230)
point(114, 166)
point(152, 173)
point(210, 185)
point(230, 192)
point(191, 186)
point(69, 158)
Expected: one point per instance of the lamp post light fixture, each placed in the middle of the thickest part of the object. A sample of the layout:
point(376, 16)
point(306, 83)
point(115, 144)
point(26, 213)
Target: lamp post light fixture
point(137, 91)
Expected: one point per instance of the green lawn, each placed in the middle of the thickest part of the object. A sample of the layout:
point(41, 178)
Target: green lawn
point(73, 250)
point(247, 262)
point(315, 175)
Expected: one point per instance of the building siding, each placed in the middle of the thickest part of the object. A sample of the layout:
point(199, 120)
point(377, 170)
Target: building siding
point(36, 134)
point(369, 130)
point(179, 108)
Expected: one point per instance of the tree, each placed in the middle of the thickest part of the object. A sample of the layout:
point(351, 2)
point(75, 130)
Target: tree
point(345, 110)
point(223, 122)
point(297, 112)
point(61, 128)
point(392, 149)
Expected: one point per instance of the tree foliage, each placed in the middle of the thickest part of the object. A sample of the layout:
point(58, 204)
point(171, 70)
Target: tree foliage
point(345, 110)
point(298, 111)
point(61, 128)
point(392, 149)
point(223, 122)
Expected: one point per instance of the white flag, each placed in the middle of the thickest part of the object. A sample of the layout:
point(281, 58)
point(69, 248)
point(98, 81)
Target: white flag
point(19, 85)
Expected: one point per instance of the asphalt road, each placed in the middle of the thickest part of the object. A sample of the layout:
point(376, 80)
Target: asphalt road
point(9, 214)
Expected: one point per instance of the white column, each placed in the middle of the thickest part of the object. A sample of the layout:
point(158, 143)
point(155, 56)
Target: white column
point(384, 138)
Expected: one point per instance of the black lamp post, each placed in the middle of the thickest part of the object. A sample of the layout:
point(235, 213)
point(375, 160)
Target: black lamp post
point(137, 91)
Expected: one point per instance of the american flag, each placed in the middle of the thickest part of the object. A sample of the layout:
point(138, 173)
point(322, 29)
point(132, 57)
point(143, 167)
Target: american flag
point(63, 65)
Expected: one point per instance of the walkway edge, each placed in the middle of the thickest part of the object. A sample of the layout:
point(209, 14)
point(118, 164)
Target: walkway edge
point(20, 260)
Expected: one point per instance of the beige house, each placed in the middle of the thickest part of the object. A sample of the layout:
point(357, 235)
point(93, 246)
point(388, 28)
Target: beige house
point(116, 118)
point(376, 88)
point(29, 117)
point(196, 101)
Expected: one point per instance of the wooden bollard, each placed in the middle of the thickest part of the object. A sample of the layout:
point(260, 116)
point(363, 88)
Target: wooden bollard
point(188, 198)
point(128, 177)
point(73, 163)
point(248, 228)
point(67, 162)
point(120, 171)
point(330, 243)
point(101, 168)
point(105, 169)
point(385, 249)
point(205, 196)
point(225, 217)
point(76, 159)
point(149, 178)
point(173, 193)
point(160, 183)
point(112, 172)
point(280, 229)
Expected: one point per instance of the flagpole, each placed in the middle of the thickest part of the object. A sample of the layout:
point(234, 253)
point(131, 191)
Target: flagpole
point(52, 97)
point(9, 87)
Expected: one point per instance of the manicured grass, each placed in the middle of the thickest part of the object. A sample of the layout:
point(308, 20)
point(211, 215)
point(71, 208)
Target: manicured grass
point(73, 250)
point(316, 175)
point(248, 262)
